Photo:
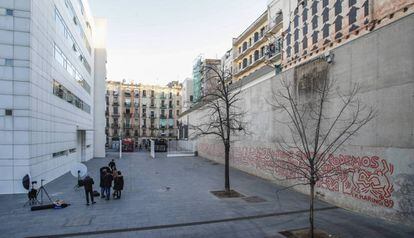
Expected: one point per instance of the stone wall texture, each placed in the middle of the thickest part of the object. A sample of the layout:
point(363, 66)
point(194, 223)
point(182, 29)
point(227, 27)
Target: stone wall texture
point(379, 160)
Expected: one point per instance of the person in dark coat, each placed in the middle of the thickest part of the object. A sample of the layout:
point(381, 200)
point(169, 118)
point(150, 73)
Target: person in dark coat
point(112, 164)
point(101, 182)
point(88, 185)
point(107, 182)
point(118, 185)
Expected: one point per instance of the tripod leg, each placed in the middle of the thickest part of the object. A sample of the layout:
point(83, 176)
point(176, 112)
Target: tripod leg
point(43, 188)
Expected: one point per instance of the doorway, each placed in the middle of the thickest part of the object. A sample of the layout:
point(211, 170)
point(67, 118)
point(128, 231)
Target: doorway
point(81, 145)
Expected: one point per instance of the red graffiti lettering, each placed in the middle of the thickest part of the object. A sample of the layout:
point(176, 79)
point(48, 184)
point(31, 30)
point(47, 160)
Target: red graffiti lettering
point(366, 178)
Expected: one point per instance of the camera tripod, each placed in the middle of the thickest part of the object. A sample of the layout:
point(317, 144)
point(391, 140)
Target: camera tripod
point(78, 184)
point(42, 190)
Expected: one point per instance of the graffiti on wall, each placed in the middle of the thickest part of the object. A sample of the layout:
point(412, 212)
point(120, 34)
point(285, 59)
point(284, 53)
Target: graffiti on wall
point(366, 178)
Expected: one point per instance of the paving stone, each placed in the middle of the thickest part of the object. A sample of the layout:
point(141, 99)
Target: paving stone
point(146, 202)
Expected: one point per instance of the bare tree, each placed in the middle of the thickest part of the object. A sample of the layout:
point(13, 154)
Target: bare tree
point(224, 117)
point(320, 118)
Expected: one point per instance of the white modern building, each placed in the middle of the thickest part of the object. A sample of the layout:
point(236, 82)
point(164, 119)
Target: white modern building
point(52, 73)
point(187, 94)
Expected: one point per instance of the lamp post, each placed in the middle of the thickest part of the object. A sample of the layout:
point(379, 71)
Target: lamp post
point(120, 143)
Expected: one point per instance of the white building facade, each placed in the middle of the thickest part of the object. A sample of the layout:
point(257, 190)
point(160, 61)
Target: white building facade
point(47, 89)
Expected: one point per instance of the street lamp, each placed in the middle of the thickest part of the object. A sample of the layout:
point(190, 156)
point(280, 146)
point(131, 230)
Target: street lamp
point(120, 143)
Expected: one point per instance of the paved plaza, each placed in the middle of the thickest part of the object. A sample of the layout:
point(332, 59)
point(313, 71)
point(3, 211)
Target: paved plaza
point(170, 197)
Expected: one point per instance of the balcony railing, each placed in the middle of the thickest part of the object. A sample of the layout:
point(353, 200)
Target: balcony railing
point(115, 114)
point(275, 25)
point(114, 125)
point(250, 48)
point(152, 106)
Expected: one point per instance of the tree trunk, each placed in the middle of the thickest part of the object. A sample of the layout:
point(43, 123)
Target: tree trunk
point(227, 168)
point(311, 218)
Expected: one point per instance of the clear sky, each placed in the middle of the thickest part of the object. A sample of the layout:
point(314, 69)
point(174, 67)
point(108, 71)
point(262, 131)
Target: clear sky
point(156, 41)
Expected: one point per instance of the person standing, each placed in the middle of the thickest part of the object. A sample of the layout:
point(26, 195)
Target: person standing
point(101, 182)
point(88, 185)
point(118, 185)
point(112, 164)
point(108, 184)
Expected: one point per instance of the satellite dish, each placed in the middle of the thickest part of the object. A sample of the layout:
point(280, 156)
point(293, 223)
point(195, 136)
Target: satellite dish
point(79, 169)
point(26, 182)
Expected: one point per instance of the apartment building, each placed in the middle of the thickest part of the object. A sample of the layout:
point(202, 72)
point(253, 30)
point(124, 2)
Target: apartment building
point(47, 89)
point(316, 27)
point(258, 46)
point(187, 94)
point(139, 111)
point(203, 78)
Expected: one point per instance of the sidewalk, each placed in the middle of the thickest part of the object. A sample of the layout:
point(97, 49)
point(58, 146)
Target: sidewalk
point(169, 197)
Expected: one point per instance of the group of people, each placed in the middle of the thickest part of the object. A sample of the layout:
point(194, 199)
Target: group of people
point(108, 175)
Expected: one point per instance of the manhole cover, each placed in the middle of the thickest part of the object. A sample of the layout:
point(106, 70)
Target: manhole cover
point(79, 221)
point(254, 199)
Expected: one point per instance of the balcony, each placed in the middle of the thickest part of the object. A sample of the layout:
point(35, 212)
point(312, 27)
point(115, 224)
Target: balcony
point(115, 126)
point(152, 127)
point(163, 117)
point(251, 48)
point(144, 126)
point(152, 106)
point(249, 67)
point(170, 127)
point(115, 103)
point(163, 97)
point(127, 105)
point(275, 25)
point(153, 117)
point(115, 114)
point(163, 107)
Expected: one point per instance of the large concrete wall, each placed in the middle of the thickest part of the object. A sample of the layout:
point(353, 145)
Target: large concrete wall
point(380, 181)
